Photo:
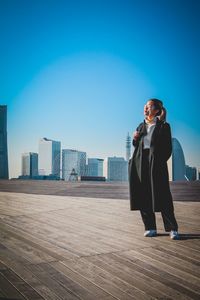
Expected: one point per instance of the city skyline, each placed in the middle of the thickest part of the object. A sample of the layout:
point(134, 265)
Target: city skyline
point(74, 160)
point(81, 72)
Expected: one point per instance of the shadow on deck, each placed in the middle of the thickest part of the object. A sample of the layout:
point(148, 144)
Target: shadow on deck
point(54, 247)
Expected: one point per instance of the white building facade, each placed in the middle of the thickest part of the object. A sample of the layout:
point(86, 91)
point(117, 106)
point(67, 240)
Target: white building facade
point(49, 157)
point(117, 169)
point(73, 161)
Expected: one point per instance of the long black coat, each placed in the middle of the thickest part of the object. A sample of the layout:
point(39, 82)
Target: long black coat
point(160, 151)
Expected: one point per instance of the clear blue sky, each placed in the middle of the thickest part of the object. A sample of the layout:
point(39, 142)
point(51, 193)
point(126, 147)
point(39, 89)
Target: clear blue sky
point(81, 71)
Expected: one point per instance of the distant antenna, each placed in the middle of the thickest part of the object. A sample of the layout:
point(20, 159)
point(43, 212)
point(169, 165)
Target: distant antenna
point(128, 147)
point(73, 175)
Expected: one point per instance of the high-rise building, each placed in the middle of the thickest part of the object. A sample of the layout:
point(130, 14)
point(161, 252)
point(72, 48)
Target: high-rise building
point(73, 161)
point(128, 147)
point(3, 143)
point(191, 173)
point(30, 164)
point(176, 164)
point(117, 169)
point(95, 167)
point(49, 157)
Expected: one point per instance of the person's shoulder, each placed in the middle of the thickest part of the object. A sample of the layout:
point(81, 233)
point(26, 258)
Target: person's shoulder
point(165, 125)
point(140, 125)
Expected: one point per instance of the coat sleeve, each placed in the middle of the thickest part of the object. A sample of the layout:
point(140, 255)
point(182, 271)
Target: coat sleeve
point(135, 142)
point(167, 142)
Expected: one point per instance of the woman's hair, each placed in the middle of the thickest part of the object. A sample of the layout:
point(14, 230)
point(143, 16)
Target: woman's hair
point(158, 104)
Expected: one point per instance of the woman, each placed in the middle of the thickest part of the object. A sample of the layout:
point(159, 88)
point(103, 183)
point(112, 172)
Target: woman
point(148, 172)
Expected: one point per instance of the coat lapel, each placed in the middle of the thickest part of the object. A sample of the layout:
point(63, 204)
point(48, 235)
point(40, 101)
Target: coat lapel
point(155, 133)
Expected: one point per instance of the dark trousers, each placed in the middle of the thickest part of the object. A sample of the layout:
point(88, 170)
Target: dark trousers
point(169, 220)
point(148, 216)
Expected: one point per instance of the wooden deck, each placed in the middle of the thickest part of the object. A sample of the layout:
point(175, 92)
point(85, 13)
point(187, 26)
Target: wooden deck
point(181, 191)
point(64, 247)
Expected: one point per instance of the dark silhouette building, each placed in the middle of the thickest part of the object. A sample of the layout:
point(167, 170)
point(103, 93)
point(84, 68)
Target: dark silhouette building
point(3, 143)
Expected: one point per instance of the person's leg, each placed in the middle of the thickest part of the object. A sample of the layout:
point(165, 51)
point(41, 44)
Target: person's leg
point(169, 220)
point(148, 216)
point(148, 219)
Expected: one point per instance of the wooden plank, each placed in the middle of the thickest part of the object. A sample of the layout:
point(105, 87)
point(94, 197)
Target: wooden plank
point(99, 293)
point(8, 289)
point(74, 286)
point(21, 286)
point(137, 276)
point(43, 290)
point(186, 257)
point(107, 280)
point(24, 250)
point(173, 261)
point(38, 241)
point(54, 286)
point(179, 280)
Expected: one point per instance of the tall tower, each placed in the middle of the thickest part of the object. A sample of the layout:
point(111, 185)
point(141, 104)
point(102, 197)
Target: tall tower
point(128, 147)
point(3, 143)
point(30, 164)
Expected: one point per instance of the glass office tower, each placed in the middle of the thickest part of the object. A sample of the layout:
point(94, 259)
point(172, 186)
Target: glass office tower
point(178, 162)
point(3, 143)
point(95, 167)
point(30, 164)
point(117, 169)
point(73, 161)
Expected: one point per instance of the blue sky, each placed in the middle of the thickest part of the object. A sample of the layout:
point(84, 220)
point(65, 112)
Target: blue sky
point(81, 71)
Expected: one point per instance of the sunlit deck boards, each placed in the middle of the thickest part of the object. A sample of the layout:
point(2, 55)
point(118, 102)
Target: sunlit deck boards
point(54, 247)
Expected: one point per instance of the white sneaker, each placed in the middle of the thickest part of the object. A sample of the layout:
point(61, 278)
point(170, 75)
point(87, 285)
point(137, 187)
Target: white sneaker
point(174, 235)
point(150, 233)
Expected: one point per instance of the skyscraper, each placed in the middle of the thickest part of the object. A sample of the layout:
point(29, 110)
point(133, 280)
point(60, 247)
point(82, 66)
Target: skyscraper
point(95, 167)
point(178, 161)
point(128, 147)
point(49, 157)
point(191, 173)
point(117, 169)
point(30, 164)
point(3, 143)
point(73, 161)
